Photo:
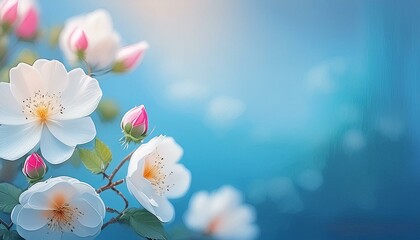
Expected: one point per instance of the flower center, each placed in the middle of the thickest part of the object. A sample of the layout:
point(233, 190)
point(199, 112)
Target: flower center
point(153, 171)
point(213, 226)
point(42, 106)
point(63, 215)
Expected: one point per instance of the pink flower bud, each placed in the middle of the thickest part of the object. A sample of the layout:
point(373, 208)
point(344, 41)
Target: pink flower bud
point(8, 11)
point(78, 41)
point(27, 25)
point(134, 124)
point(129, 57)
point(34, 167)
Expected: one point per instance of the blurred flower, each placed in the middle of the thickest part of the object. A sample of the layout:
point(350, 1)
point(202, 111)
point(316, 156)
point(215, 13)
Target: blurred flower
point(129, 57)
point(59, 208)
point(154, 176)
point(78, 41)
point(8, 12)
point(27, 23)
point(46, 106)
point(108, 110)
point(103, 40)
point(34, 167)
point(221, 214)
point(103, 51)
point(134, 125)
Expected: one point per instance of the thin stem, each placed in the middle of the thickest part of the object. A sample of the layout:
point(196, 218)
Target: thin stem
point(109, 186)
point(120, 165)
point(115, 219)
point(8, 226)
point(112, 210)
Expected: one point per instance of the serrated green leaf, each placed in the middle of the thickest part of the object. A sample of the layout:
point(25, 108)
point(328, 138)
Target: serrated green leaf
point(144, 223)
point(91, 161)
point(103, 151)
point(9, 196)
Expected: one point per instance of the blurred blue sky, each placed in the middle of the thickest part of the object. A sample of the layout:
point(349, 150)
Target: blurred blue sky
point(308, 107)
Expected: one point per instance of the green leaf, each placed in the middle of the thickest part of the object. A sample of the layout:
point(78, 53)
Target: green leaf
point(91, 161)
point(9, 196)
point(144, 223)
point(9, 235)
point(103, 151)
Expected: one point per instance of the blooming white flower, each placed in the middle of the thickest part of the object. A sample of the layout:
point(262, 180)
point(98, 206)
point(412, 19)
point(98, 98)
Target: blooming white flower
point(59, 208)
point(103, 41)
point(221, 215)
point(46, 106)
point(154, 176)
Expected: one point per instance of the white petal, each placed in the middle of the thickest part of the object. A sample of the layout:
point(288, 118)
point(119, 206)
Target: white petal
point(165, 211)
point(137, 159)
point(139, 195)
point(73, 132)
point(43, 198)
point(10, 109)
point(25, 80)
point(83, 231)
point(31, 219)
point(170, 150)
point(17, 140)
point(53, 73)
point(15, 213)
point(81, 96)
point(96, 203)
point(103, 52)
point(179, 180)
point(43, 233)
point(198, 216)
point(90, 217)
point(53, 150)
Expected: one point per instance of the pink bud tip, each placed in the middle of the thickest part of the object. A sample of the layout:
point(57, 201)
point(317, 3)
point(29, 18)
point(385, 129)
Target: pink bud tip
point(28, 27)
point(135, 122)
point(8, 11)
point(34, 167)
point(130, 56)
point(78, 40)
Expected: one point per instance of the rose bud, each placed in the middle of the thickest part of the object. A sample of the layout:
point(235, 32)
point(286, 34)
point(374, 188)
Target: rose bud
point(8, 13)
point(134, 125)
point(34, 167)
point(129, 57)
point(78, 42)
point(27, 22)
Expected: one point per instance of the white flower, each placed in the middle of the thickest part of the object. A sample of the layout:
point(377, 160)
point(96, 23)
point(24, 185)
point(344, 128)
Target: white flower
point(59, 208)
point(103, 40)
point(221, 214)
point(46, 106)
point(154, 175)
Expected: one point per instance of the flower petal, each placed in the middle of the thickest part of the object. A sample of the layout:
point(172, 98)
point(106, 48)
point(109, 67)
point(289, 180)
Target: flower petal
point(15, 213)
point(31, 219)
point(83, 231)
point(53, 73)
point(18, 140)
point(43, 198)
point(137, 159)
point(25, 80)
point(53, 150)
point(10, 109)
point(139, 195)
point(90, 217)
point(73, 132)
point(170, 150)
point(165, 211)
point(179, 180)
point(81, 96)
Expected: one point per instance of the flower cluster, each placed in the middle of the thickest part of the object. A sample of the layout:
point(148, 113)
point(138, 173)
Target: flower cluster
point(45, 114)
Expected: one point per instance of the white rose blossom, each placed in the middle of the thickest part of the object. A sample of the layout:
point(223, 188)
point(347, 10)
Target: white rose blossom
point(59, 208)
point(103, 41)
point(46, 106)
point(221, 214)
point(154, 175)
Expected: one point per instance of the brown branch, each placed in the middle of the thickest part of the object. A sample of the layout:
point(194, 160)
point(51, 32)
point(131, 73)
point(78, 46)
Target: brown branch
point(115, 219)
point(8, 226)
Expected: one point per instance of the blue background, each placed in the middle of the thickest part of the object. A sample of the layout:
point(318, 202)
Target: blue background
point(310, 108)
